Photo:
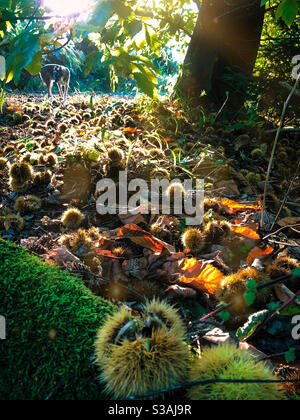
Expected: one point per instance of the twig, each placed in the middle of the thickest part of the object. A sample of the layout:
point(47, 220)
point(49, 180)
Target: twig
point(277, 312)
point(63, 46)
point(216, 312)
point(285, 106)
point(280, 230)
point(285, 243)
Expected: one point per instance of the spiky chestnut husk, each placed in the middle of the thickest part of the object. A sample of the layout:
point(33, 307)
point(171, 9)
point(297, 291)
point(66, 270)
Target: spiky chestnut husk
point(160, 232)
point(26, 157)
point(86, 116)
point(243, 139)
point(209, 130)
point(3, 164)
point(232, 288)
point(160, 173)
point(292, 388)
point(51, 159)
point(42, 159)
point(8, 149)
point(51, 123)
point(156, 153)
point(216, 231)
point(113, 169)
point(75, 121)
point(228, 362)
point(283, 266)
point(285, 212)
point(20, 147)
point(212, 204)
point(145, 365)
point(257, 154)
point(253, 178)
point(108, 333)
point(189, 145)
point(21, 172)
point(80, 244)
point(244, 172)
point(164, 315)
point(115, 155)
point(28, 204)
point(62, 128)
point(272, 201)
point(193, 239)
point(284, 142)
point(72, 218)
point(282, 157)
point(175, 191)
point(18, 187)
point(46, 177)
point(12, 221)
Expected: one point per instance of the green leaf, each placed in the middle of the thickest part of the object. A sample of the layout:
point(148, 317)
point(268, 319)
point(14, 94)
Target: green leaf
point(287, 10)
point(290, 356)
point(251, 285)
point(296, 272)
point(250, 297)
point(251, 325)
point(225, 316)
point(145, 84)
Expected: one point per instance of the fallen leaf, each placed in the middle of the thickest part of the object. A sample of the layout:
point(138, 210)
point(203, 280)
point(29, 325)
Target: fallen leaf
point(143, 238)
point(207, 281)
point(288, 221)
point(181, 292)
point(233, 207)
point(245, 231)
point(257, 252)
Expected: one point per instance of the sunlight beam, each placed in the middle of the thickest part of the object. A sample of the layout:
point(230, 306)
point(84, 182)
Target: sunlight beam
point(67, 7)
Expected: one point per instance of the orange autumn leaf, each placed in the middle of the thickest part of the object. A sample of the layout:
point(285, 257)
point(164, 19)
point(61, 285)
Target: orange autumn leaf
point(245, 231)
point(207, 281)
point(106, 253)
point(191, 267)
point(234, 207)
point(142, 238)
point(257, 252)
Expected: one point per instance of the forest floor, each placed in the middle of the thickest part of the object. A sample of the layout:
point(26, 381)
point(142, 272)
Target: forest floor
point(52, 156)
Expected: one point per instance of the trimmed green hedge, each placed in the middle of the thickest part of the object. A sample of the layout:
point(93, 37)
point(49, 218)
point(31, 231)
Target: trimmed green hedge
point(51, 323)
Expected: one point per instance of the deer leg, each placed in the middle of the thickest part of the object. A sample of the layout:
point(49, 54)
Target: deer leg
point(60, 90)
point(66, 91)
point(49, 89)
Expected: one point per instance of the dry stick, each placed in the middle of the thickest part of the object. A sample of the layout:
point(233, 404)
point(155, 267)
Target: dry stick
point(281, 229)
point(262, 221)
point(286, 195)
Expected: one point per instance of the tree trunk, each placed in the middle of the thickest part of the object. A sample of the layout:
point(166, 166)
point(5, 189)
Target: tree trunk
point(223, 51)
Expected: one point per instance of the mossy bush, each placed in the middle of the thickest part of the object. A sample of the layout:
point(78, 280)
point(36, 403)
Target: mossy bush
point(51, 323)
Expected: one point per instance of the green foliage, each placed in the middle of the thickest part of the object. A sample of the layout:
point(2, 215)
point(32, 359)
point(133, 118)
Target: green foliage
point(250, 294)
point(290, 356)
point(52, 320)
point(287, 11)
point(254, 321)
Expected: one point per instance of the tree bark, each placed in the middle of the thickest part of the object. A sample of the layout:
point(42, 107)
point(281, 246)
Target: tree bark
point(223, 51)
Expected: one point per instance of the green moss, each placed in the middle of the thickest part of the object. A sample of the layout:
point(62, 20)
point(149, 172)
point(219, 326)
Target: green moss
point(51, 323)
